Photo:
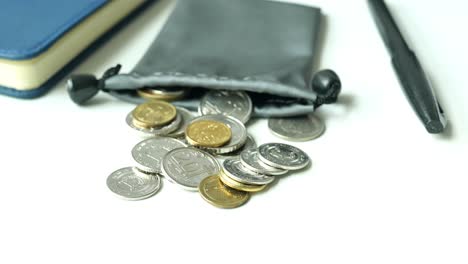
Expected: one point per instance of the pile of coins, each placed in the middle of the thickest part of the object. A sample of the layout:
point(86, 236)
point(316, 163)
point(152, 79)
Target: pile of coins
point(256, 168)
point(212, 153)
point(159, 118)
point(217, 134)
point(252, 172)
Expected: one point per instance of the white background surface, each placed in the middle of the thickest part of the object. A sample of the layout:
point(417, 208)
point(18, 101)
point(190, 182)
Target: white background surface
point(381, 189)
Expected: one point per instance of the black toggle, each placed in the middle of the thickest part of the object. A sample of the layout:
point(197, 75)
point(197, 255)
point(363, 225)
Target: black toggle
point(327, 85)
point(82, 87)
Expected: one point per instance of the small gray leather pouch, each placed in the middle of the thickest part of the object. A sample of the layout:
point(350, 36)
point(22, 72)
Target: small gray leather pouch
point(262, 47)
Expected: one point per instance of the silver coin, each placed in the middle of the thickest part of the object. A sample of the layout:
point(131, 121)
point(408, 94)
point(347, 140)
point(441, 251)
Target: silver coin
point(249, 143)
point(299, 128)
point(187, 167)
point(149, 153)
point(234, 169)
point(130, 184)
point(283, 156)
point(238, 132)
point(231, 103)
point(187, 116)
point(249, 158)
point(155, 131)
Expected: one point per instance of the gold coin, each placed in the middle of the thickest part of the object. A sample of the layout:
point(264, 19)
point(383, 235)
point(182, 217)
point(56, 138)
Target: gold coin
point(220, 195)
point(155, 94)
point(208, 133)
point(153, 114)
point(240, 186)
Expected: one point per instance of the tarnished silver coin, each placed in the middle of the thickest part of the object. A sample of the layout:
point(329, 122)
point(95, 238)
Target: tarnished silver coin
point(283, 156)
point(238, 132)
point(234, 169)
point(187, 167)
point(298, 128)
point(249, 143)
point(249, 158)
point(231, 103)
point(130, 184)
point(155, 131)
point(187, 117)
point(149, 153)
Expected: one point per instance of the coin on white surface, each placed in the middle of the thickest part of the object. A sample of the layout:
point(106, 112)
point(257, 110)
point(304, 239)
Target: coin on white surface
point(283, 156)
point(298, 128)
point(130, 184)
point(218, 194)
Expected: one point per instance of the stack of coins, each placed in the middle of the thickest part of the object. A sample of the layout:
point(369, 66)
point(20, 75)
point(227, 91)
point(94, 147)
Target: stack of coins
point(161, 123)
point(216, 134)
point(252, 172)
point(159, 118)
point(212, 153)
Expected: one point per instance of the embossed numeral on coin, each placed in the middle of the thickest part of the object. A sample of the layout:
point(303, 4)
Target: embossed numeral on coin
point(186, 165)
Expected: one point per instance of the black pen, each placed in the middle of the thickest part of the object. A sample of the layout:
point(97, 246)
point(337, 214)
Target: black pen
point(412, 78)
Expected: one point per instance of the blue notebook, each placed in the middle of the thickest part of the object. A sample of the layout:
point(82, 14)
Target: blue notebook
point(42, 39)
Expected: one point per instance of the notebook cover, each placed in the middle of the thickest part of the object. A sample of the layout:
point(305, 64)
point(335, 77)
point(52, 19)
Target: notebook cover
point(33, 26)
point(31, 32)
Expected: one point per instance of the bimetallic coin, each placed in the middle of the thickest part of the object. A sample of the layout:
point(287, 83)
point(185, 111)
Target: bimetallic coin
point(249, 143)
point(238, 132)
point(240, 186)
point(231, 103)
point(299, 128)
point(283, 156)
point(208, 133)
point(187, 167)
point(130, 184)
point(162, 93)
point(220, 195)
point(150, 132)
point(149, 153)
point(153, 114)
point(187, 117)
point(249, 158)
point(236, 171)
